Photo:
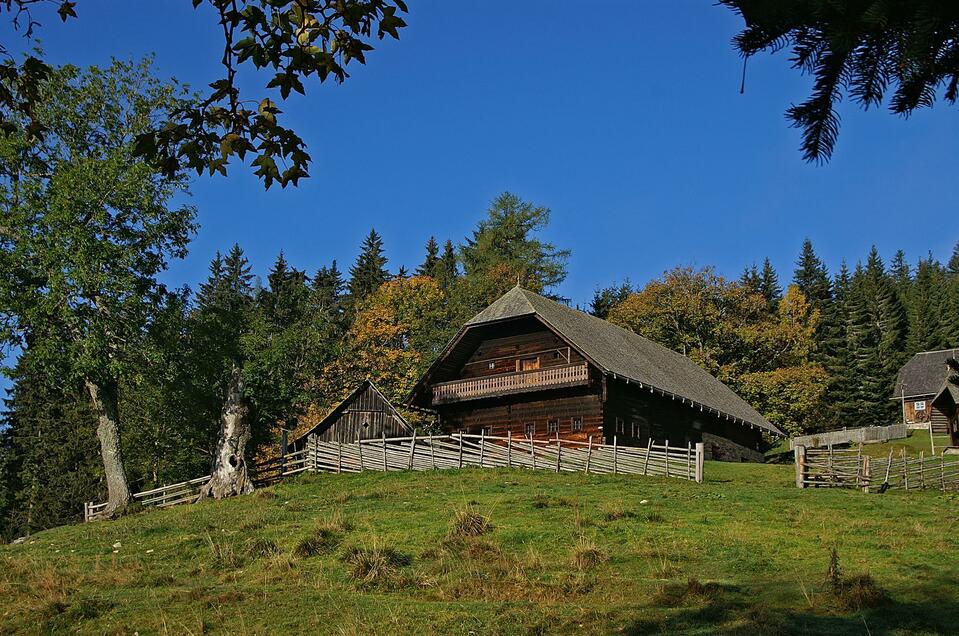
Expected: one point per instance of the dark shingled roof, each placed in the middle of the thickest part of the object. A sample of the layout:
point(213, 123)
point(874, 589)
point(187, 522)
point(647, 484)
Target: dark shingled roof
point(924, 374)
point(626, 355)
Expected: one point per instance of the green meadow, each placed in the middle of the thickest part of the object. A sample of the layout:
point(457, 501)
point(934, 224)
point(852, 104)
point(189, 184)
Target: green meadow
point(503, 552)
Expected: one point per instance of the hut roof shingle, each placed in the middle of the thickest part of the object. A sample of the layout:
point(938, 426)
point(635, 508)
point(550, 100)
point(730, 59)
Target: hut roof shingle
point(924, 374)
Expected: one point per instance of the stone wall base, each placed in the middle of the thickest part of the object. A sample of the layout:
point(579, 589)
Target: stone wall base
point(722, 449)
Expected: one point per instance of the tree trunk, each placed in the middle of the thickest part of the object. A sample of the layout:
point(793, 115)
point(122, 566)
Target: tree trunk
point(229, 467)
point(104, 401)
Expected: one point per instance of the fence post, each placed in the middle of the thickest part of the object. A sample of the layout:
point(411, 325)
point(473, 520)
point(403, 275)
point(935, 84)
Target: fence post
point(667, 458)
point(412, 450)
point(509, 448)
point(700, 461)
point(800, 458)
point(386, 466)
point(86, 511)
point(866, 473)
point(339, 457)
point(432, 454)
point(689, 459)
point(859, 465)
point(922, 462)
point(942, 471)
point(532, 451)
point(482, 445)
point(559, 452)
point(649, 448)
point(614, 455)
point(905, 473)
point(461, 450)
point(589, 453)
point(359, 447)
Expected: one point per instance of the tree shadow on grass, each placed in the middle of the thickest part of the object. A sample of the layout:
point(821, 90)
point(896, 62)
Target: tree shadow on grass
point(722, 609)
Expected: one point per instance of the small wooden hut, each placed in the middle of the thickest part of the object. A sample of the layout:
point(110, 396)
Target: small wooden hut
point(364, 414)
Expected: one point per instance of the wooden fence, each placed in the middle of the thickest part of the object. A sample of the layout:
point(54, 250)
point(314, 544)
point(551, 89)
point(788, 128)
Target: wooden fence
point(462, 450)
point(851, 436)
point(849, 468)
point(450, 451)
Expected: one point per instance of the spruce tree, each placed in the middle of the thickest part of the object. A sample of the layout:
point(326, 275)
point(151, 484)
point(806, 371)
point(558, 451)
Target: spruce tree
point(328, 288)
point(428, 266)
point(836, 354)
point(769, 286)
point(369, 271)
point(447, 269)
point(925, 307)
point(811, 277)
point(750, 279)
point(953, 265)
point(285, 300)
point(604, 300)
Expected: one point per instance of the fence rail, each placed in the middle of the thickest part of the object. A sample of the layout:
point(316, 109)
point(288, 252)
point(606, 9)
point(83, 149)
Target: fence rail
point(450, 451)
point(851, 436)
point(848, 468)
point(483, 451)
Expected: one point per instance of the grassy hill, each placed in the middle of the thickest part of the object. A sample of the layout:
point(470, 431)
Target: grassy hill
point(744, 553)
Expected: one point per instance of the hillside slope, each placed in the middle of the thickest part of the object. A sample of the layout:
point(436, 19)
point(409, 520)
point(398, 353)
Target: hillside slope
point(745, 552)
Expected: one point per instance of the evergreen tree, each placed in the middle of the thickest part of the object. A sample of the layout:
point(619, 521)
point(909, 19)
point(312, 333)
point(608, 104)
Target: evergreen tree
point(402, 273)
point(811, 277)
point(369, 271)
point(900, 271)
point(328, 288)
point(504, 250)
point(428, 267)
point(447, 269)
point(768, 286)
point(953, 265)
point(286, 298)
point(750, 279)
point(877, 334)
point(925, 308)
point(605, 299)
point(837, 355)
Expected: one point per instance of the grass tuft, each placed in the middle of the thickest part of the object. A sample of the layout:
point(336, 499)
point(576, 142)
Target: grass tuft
point(323, 541)
point(469, 522)
point(375, 565)
point(587, 554)
point(262, 547)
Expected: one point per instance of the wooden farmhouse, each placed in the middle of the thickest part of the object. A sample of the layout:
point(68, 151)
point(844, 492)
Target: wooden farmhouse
point(530, 366)
point(364, 414)
point(926, 396)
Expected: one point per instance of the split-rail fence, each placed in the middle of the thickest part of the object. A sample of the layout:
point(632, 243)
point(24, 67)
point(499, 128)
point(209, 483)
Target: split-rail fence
point(458, 450)
point(849, 468)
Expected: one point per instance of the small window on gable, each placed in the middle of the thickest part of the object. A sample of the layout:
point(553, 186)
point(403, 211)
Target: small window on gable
point(620, 426)
point(492, 365)
point(552, 426)
point(531, 429)
point(921, 405)
point(576, 424)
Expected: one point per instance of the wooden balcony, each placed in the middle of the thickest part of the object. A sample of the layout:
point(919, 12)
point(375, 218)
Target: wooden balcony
point(507, 383)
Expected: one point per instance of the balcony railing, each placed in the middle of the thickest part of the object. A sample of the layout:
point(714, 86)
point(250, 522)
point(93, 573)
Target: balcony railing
point(505, 383)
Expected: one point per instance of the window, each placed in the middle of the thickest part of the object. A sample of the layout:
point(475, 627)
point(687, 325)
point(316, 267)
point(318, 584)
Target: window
point(634, 426)
point(486, 430)
point(620, 426)
point(920, 405)
point(492, 365)
point(531, 429)
point(527, 364)
point(552, 426)
point(576, 424)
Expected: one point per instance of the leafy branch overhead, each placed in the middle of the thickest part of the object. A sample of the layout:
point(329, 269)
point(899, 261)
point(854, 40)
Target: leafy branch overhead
point(292, 41)
point(860, 48)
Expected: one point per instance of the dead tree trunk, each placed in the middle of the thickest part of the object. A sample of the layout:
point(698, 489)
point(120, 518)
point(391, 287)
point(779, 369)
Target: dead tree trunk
point(229, 467)
point(104, 401)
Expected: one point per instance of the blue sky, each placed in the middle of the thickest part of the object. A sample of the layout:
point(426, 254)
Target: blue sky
point(625, 118)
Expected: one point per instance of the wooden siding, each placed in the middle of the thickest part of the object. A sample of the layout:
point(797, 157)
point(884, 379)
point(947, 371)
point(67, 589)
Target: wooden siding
point(365, 416)
point(501, 355)
point(941, 424)
point(646, 415)
point(918, 417)
point(511, 415)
